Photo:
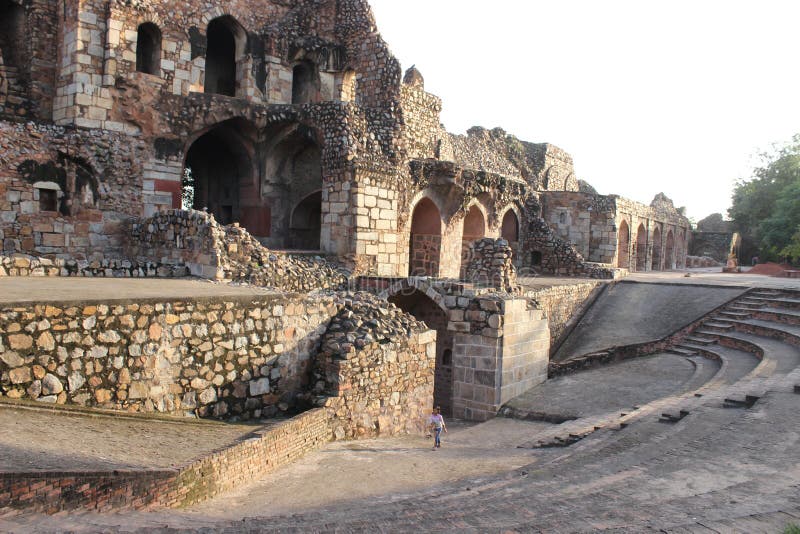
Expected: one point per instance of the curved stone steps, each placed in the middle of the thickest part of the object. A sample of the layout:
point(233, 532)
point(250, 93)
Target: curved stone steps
point(776, 315)
point(571, 432)
point(748, 460)
point(778, 302)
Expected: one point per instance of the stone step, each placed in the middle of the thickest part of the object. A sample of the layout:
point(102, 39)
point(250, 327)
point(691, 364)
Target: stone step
point(778, 315)
point(681, 351)
point(779, 302)
point(714, 327)
point(735, 314)
point(748, 305)
point(699, 340)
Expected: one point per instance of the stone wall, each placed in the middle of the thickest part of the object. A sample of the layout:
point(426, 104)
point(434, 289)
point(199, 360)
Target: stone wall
point(508, 357)
point(716, 245)
point(194, 239)
point(218, 358)
point(490, 265)
point(563, 305)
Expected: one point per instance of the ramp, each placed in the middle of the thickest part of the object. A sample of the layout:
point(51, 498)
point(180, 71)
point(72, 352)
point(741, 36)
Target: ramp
point(635, 312)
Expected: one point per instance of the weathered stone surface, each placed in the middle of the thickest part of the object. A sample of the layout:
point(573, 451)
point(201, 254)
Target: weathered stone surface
point(51, 385)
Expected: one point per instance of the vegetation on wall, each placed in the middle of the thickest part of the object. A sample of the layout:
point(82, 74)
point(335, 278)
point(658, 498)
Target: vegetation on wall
point(766, 207)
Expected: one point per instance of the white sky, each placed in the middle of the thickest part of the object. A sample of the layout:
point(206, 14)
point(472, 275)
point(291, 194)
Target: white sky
point(674, 96)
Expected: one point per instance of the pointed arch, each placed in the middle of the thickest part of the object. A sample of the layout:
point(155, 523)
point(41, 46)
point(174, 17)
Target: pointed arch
point(624, 246)
point(641, 248)
point(227, 42)
point(425, 243)
point(148, 49)
point(657, 243)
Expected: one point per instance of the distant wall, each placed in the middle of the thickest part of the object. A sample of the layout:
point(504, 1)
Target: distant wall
point(562, 305)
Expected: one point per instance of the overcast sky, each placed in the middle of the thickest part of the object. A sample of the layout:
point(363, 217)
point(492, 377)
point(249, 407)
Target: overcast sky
point(675, 96)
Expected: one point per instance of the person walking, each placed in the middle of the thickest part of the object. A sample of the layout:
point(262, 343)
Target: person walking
point(436, 424)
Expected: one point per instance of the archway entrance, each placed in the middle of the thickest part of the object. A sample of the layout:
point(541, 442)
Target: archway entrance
point(641, 249)
point(670, 251)
point(509, 230)
point(219, 173)
point(657, 249)
point(419, 305)
point(292, 175)
point(226, 43)
point(306, 223)
point(426, 239)
point(624, 246)
point(474, 229)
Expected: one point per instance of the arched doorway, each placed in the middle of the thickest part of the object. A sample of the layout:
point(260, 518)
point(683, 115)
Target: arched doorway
point(306, 223)
point(624, 246)
point(641, 249)
point(226, 43)
point(657, 249)
point(218, 168)
point(292, 182)
point(148, 49)
point(670, 251)
point(509, 230)
point(426, 239)
point(419, 305)
point(305, 83)
point(474, 229)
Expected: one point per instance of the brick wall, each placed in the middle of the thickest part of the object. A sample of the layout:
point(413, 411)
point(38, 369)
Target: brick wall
point(138, 490)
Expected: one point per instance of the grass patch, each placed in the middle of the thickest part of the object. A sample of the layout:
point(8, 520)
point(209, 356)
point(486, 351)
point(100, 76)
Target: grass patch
point(792, 529)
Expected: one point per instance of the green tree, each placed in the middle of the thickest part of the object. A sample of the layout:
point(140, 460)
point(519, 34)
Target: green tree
point(766, 208)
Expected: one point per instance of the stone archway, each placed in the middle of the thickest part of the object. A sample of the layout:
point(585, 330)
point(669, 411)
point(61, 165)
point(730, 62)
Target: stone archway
point(417, 303)
point(425, 247)
point(624, 246)
point(641, 249)
point(219, 173)
point(656, 265)
point(474, 229)
point(306, 223)
point(670, 251)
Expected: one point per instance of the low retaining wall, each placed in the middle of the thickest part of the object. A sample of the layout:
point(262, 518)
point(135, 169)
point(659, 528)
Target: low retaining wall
point(137, 490)
point(227, 357)
point(22, 265)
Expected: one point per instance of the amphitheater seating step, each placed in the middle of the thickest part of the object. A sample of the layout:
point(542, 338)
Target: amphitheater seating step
point(681, 351)
point(736, 314)
point(670, 418)
point(700, 340)
point(715, 327)
point(789, 303)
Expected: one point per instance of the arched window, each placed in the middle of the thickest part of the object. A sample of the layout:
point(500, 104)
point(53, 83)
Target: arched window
point(148, 49)
point(426, 239)
point(509, 230)
point(227, 42)
point(305, 83)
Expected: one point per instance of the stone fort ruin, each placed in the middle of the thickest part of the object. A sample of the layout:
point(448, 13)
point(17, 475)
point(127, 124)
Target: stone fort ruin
point(278, 143)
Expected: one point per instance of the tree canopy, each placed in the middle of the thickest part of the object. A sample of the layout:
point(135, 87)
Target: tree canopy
point(766, 207)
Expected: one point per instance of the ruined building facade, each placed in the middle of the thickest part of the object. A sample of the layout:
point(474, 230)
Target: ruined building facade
point(292, 118)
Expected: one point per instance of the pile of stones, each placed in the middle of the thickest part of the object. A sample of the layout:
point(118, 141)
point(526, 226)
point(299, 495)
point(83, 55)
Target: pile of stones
point(365, 319)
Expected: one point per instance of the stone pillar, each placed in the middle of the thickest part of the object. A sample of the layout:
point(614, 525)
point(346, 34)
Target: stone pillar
point(493, 364)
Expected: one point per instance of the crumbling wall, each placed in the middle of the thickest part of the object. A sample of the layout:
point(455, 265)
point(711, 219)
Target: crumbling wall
point(490, 265)
point(67, 192)
point(210, 250)
point(375, 370)
point(585, 220)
